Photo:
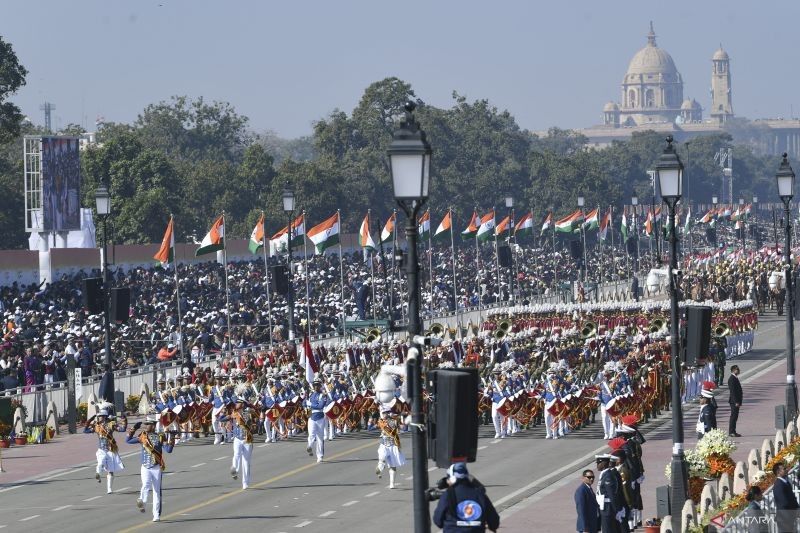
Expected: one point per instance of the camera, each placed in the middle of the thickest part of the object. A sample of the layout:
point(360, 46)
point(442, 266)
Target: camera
point(433, 494)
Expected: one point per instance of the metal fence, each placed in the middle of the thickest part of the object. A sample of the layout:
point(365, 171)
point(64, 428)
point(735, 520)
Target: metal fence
point(748, 522)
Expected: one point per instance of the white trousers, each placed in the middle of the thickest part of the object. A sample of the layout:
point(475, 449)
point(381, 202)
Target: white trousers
point(108, 461)
point(151, 479)
point(217, 426)
point(241, 460)
point(608, 426)
point(270, 430)
point(316, 431)
point(549, 421)
point(497, 420)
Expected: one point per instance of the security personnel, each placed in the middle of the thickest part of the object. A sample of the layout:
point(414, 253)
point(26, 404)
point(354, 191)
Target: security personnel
point(316, 401)
point(464, 506)
point(609, 491)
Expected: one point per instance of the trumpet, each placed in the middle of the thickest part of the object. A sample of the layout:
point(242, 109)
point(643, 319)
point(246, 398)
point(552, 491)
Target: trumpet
point(722, 330)
point(373, 335)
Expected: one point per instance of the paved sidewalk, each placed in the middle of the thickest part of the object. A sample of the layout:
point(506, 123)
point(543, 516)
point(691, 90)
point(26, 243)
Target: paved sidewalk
point(763, 380)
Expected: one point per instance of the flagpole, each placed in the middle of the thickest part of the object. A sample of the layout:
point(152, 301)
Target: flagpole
point(394, 253)
point(555, 262)
point(383, 267)
point(341, 275)
point(512, 230)
point(305, 270)
point(453, 257)
point(372, 272)
point(625, 243)
point(177, 288)
point(610, 228)
point(478, 272)
point(227, 292)
point(496, 255)
point(266, 277)
point(430, 265)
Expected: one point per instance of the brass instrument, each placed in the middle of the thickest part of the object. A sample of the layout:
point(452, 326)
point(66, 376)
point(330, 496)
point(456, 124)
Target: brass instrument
point(436, 330)
point(722, 330)
point(656, 325)
point(499, 333)
point(589, 329)
point(373, 335)
point(505, 325)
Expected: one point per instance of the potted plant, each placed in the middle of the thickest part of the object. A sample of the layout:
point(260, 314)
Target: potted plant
point(652, 526)
point(21, 439)
point(5, 438)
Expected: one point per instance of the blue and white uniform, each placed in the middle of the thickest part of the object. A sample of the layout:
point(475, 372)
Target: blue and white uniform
point(316, 401)
point(151, 469)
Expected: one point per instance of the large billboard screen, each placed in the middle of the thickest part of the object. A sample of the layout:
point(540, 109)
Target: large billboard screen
point(61, 183)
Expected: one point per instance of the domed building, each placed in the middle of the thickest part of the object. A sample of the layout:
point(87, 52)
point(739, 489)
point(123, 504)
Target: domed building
point(652, 89)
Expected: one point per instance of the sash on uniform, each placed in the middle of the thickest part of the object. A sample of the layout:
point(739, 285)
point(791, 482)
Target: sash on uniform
point(103, 432)
point(149, 448)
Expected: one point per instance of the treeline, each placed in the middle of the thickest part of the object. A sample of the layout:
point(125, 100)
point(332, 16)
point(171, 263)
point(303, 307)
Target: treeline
point(195, 159)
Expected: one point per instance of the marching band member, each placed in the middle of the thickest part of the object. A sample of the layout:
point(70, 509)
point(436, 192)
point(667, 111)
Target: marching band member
point(606, 394)
point(389, 453)
point(217, 398)
point(153, 447)
point(497, 394)
point(316, 401)
point(550, 398)
point(268, 401)
point(333, 395)
point(242, 437)
point(107, 454)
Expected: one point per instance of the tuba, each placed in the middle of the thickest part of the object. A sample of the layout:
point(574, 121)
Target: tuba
point(373, 335)
point(500, 333)
point(656, 325)
point(436, 330)
point(589, 329)
point(722, 330)
point(504, 324)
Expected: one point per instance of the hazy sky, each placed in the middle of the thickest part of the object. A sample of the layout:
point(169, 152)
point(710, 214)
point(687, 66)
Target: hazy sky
point(287, 64)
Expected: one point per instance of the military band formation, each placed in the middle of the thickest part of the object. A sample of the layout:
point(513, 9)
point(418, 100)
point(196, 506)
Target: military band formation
point(557, 366)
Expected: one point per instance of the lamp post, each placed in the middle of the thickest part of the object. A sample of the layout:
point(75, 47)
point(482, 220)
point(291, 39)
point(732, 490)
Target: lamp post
point(635, 204)
point(754, 229)
point(785, 179)
point(103, 203)
point(669, 171)
point(581, 203)
point(742, 223)
point(288, 208)
point(510, 207)
point(410, 163)
point(714, 201)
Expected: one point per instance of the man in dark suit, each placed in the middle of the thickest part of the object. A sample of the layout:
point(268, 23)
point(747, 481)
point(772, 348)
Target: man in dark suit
point(734, 399)
point(609, 489)
point(586, 505)
point(785, 502)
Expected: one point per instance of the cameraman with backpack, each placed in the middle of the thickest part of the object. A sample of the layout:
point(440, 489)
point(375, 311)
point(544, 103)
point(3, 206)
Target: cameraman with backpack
point(464, 505)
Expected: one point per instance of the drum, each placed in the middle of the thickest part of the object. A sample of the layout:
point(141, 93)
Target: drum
point(333, 410)
point(504, 406)
point(614, 407)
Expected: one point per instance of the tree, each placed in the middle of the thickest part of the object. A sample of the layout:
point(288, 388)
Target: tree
point(12, 77)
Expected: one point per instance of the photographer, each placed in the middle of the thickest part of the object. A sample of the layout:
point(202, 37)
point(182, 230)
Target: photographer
point(464, 505)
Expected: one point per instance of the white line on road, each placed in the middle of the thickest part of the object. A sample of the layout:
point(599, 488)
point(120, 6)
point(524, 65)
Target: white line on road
point(326, 513)
point(348, 504)
point(303, 524)
point(198, 464)
point(61, 508)
point(170, 474)
point(482, 447)
point(495, 441)
point(221, 458)
point(371, 494)
point(2, 526)
point(431, 469)
point(263, 445)
point(29, 518)
point(92, 498)
point(123, 489)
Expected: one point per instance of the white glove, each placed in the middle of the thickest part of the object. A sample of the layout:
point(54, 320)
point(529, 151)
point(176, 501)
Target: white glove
point(641, 479)
point(620, 515)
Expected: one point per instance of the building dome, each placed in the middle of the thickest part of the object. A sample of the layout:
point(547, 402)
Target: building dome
point(720, 55)
point(651, 60)
point(611, 106)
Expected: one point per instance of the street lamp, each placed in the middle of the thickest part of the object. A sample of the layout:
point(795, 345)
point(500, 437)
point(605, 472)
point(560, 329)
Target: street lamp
point(581, 203)
point(785, 179)
point(410, 163)
point(670, 177)
point(103, 204)
point(742, 223)
point(511, 230)
point(635, 204)
point(288, 208)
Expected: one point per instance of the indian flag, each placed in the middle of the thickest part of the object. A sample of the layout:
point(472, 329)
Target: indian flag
point(424, 225)
point(388, 230)
point(708, 217)
point(486, 228)
point(524, 226)
point(325, 234)
point(648, 223)
point(592, 220)
point(257, 236)
point(445, 229)
point(604, 225)
point(472, 229)
point(364, 237)
point(624, 227)
point(503, 227)
point(166, 254)
point(214, 240)
point(747, 210)
point(569, 223)
point(724, 211)
point(278, 242)
point(547, 224)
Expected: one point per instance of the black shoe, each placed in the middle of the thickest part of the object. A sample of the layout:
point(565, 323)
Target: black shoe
point(734, 435)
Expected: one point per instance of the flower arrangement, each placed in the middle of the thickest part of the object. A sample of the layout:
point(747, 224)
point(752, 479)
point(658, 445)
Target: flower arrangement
point(720, 464)
point(5, 431)
point(83, 408)
point(716, 442)
point(15, 403)
point(132, 403)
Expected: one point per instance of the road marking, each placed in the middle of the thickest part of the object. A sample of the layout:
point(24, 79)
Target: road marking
point(2, 526)
point(223, 497)
point(198, 464)
point(371, 494)
point(61, 508)
point(93, 498)
point(495, 441)
point(263, 445)
point(29, 518)
point(170, 474)
point(482, 447)
point(326, 513)
point(221, 458)
point(123, 488)
point(431, 469)
point(348, 504)
point(303, 524)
